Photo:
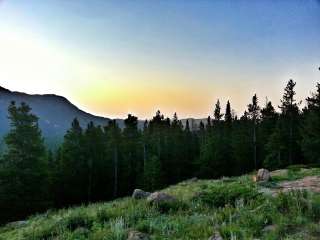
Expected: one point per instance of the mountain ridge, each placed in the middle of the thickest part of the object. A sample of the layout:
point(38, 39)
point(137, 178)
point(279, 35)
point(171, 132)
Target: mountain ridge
point(56, 113)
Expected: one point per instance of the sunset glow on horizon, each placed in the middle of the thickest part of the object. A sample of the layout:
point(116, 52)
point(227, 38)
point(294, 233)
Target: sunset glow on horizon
point(136, 57)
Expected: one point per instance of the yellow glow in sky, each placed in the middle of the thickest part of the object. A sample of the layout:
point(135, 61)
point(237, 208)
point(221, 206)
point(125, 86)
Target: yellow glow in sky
point(124, 62)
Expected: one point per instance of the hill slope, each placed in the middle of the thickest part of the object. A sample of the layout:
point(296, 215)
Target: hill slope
point(232, 208)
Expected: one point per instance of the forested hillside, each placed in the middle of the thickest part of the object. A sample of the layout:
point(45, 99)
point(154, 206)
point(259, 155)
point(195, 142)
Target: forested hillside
point(98, 163)
point(55, 114)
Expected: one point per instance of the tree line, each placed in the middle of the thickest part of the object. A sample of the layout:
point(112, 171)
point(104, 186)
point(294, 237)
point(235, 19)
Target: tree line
point(99, 163)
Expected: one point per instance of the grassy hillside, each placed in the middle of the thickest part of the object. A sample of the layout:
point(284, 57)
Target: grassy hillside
point(236, 208)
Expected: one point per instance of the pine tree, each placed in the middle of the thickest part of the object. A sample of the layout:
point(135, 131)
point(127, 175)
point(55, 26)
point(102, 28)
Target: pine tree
point(254, 114)
point(217, 111)
point(269, 118)
point(228, 114)
point(113, 133)
point(131, 151)
point(290, 110)
point(283, 143)
point(311, 128)
point(94, 149)
point(74, 166)
point(24, 168)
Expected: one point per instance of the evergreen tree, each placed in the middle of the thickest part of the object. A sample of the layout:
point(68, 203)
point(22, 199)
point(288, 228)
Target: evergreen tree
point(284, 142)
point(290, 111)
point(113, 133)
point(94, 149)
point(269, 118)
point(228, 114)
point(131, 151)
point(311, 128)
point(23, 170)
point(254, 114)
point(74, 166)
point(217, 111)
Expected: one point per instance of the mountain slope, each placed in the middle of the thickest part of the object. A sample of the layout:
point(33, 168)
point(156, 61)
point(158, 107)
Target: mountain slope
point(55, 113)
point(232, 208)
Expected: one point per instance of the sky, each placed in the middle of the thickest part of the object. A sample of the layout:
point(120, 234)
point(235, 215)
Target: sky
point(112, 58)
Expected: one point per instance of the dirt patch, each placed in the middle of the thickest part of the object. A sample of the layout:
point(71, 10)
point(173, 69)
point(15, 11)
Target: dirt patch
point(311, 183)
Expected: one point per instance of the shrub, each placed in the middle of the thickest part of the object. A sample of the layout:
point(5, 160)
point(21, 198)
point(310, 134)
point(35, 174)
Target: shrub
point(103, 215)
point(43, 232)
point(231, 232)
point(78, 219)
point(294, 202)
point(315, 208)
point(171, 206)
point(223, 194)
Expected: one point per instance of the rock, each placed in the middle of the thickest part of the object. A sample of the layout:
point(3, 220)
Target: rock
point(159, 197)
point(279, 173)
point(140, 194)
point(216, 236)
point(135, 235)
point(269, 228)
point(193, 179)
point(188, 181)
point(263, 175)
point(17, 224)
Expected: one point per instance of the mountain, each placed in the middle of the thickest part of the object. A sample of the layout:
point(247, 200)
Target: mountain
point(55, 114)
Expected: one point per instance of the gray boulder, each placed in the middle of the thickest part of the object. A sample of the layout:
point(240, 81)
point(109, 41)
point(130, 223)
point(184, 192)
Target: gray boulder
point(135, 235)
point(263, 175)
point(140, 194)
point(18, 224)
point(160, 197)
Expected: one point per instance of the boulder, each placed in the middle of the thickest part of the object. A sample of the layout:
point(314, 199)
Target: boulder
point(159, 198)
point(140, 194)
point(135, 235)
point(279, 173)
point(269, 228)
point(17, 224)
point(216, 236)
point(263, 175)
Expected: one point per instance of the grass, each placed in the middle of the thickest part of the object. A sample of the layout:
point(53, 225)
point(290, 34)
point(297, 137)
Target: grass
point(231, 206)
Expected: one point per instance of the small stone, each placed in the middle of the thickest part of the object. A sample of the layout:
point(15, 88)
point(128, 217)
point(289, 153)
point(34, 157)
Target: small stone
point(140, 194)
point(135, 235)
point(269, 228)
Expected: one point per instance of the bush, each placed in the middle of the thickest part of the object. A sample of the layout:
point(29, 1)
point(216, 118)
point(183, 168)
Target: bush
point(315, 208)
point(103, 215)
point(231, 232)
point(78, 219)
point(294, 202)
point(43, 232)
point(171, 206)
point(223, 194)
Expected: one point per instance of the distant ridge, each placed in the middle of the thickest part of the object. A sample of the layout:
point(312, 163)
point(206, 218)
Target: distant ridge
point(55, 113)
point(2, 89)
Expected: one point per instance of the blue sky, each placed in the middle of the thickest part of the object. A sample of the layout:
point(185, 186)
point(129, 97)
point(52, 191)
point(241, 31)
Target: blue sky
point(115, 57)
